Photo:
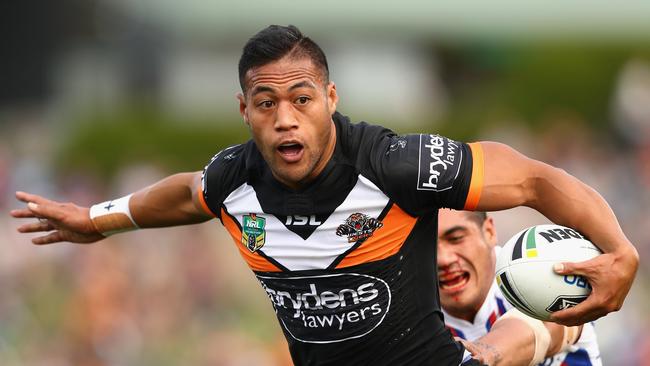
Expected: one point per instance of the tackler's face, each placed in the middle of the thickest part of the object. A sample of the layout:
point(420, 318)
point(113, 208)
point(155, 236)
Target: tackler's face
point(288, 107)
point(466, 261)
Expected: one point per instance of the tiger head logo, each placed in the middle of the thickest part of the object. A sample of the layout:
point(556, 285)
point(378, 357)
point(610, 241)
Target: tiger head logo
point(358, 226)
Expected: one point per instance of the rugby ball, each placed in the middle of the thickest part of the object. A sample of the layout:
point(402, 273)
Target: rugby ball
point(524, 269)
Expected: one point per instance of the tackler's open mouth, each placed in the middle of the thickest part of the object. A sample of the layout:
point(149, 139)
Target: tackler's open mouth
point(453, 281)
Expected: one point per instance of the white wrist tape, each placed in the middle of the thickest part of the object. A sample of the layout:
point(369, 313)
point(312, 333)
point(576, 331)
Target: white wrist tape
point(112, 217)
point(571, 336)
point(542, 335)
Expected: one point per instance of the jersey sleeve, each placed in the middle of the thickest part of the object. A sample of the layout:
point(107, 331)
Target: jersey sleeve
point(424, 172)
point(224, 171)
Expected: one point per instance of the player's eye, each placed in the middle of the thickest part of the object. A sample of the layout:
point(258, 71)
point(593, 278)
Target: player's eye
point(455, 238)
point(302, 100)
point(266, 104)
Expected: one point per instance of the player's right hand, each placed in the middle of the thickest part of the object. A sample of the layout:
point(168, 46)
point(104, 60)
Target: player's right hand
point(610, 276)
point(59, 221)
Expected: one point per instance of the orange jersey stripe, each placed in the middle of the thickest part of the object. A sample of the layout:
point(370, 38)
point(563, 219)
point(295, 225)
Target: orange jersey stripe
point(476, 184)
point(386, 241)
point(204, 204)
point(255, 261)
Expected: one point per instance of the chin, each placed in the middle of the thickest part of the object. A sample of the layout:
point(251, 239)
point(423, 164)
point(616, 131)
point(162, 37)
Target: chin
point(299, 172)
point(291, 178)
point(460, 299)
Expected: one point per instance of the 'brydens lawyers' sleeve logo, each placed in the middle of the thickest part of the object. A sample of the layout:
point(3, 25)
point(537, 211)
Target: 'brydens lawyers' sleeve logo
point(439, 163)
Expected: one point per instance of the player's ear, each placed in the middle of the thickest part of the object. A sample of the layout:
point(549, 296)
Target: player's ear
point(332, 97)
point(242, 107)
point(490, 231)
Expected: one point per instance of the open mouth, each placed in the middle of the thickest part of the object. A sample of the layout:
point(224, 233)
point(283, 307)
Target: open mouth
point(291, 151)
point(451, 281)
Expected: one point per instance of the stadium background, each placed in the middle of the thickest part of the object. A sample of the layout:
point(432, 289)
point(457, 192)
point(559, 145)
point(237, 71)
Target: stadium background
point(98, 98)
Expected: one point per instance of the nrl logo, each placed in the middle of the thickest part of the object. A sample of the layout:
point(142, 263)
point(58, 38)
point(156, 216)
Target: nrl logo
point(253, 233)
point(358, 227)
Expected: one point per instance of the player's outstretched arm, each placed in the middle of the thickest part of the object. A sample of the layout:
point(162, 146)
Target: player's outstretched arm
point(174, 200)
point(516, 339)
point(511, 179)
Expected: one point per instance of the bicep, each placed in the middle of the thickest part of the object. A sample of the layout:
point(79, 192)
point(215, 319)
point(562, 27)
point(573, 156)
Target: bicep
point(509, 177)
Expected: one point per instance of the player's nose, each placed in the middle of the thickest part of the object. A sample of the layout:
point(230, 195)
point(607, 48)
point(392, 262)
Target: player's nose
point(446, 256)
point(285, 118)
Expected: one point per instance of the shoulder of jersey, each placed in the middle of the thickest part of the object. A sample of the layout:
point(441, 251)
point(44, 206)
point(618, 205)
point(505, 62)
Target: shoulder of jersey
point(361, 130)
point(359, 136)
point(230, 154)
point(225, 168)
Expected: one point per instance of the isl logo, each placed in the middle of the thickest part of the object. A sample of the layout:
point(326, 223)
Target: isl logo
point(253, 232)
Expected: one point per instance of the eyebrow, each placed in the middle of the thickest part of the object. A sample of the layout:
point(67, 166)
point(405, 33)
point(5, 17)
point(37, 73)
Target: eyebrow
point(261, 89)
point(453, 229)
point(264, 88)
point(302, 84)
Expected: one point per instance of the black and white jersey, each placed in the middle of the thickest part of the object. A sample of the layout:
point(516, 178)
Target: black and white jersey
point(348, 261)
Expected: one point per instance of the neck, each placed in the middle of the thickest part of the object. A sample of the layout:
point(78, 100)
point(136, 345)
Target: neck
point(327, 155)
point(467, 315)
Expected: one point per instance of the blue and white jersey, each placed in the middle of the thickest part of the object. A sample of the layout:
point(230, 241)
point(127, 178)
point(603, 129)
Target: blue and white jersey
point(584, 353)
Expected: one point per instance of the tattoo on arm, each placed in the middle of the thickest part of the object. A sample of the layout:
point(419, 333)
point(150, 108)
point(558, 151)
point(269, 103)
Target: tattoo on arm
point(490, 354)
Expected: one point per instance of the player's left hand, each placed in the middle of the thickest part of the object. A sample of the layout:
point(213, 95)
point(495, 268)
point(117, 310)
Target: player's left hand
point(610, 276)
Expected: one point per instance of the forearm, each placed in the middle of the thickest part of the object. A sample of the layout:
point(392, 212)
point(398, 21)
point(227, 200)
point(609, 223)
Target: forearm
point(175, 200)
point(515, 341)
point(169, 202)
point(506, 349)
point(583, 208)
point(515, 180)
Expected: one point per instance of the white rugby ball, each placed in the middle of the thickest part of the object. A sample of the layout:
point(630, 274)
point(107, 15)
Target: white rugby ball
point(525, 273)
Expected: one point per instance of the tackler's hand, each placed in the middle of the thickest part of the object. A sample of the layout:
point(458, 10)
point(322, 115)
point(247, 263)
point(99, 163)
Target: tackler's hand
point(59, 221)
point(485, 353)
point(610, 276)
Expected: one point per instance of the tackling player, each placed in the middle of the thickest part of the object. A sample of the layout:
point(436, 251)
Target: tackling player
point(475, 310)
point(335, 218)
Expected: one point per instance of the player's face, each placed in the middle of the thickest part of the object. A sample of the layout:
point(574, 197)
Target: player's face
point(288, 107)
point(466, 262)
